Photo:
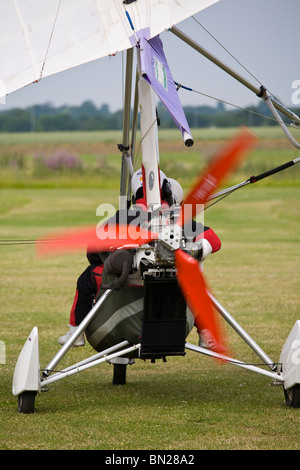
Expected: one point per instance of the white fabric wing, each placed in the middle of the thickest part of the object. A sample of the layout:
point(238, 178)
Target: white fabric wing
point(39, 38)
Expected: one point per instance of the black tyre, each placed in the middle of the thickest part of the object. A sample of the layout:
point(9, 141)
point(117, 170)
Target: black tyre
point(26, 402)
point(119, 377)
point(292, 396)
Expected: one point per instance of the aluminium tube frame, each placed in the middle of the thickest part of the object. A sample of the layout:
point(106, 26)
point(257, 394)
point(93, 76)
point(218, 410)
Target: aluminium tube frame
point(243, 334)
point(271, 102)
point(276, 376)
point(81, 328)
point(126, 129)
point(258, 91)
point(88, 363)
point(118, 350)
point(254, 179)
point(131, 156)
point(96, 356)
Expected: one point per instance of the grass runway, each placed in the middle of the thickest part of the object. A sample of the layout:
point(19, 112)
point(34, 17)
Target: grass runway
point(186, 403)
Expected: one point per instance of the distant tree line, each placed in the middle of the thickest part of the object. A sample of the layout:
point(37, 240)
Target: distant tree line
point(87, 117)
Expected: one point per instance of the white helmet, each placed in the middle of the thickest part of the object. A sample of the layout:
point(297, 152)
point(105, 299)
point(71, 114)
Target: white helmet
point(137, 180)
point(176, 190)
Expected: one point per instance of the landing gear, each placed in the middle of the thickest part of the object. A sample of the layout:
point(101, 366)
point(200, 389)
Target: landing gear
point(292, 396)
point(26, 402)
point(289, 360)
point(119, 375)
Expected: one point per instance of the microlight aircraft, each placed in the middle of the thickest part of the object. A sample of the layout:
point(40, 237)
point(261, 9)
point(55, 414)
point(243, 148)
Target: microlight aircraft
point(43, 38)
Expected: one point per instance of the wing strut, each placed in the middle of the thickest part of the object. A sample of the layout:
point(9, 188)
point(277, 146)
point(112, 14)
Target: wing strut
point(260, 92)
point(253, 179)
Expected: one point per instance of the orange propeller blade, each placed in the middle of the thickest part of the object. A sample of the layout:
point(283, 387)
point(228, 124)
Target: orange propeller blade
point(192, 284)
point(222, 165)
point(95, 239)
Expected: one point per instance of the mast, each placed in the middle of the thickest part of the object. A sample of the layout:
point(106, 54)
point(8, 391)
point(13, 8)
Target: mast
point(149, 143)
point(124, 147)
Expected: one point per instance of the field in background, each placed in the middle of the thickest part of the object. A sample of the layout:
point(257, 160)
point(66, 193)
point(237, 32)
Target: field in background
point(186, 403)
point(92, 159)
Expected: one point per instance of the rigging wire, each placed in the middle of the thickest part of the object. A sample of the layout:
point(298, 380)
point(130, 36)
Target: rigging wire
point(270, 118)
point(225, 195)
point(226, 50)
point(246, 70)
point(142, 137)
point(8, 242)
point(179, 85)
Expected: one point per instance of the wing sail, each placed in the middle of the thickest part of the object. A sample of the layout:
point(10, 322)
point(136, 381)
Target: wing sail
point(41, 38)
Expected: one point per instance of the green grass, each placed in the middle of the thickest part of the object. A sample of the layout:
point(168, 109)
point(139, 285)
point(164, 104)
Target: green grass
point(100, 158)
point(186, 403)
point(203, 134)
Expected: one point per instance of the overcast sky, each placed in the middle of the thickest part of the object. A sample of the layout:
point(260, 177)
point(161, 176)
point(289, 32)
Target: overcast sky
point(262, 34)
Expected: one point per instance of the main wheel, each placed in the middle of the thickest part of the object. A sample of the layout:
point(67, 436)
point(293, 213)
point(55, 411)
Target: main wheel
point(26, 402)
point(292, 396)
point(119, 377)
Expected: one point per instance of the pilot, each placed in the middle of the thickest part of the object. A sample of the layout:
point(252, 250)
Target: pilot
point(89, 282)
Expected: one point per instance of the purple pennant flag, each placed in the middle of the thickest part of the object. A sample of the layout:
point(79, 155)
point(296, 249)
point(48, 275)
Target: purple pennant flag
point(156, 71)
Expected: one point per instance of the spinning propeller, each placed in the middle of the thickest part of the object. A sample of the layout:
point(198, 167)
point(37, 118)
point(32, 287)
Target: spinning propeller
point(189, 275)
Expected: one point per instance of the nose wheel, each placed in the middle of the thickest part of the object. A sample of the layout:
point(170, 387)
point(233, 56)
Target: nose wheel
point(26, 402)
point(292, 396)
point(119, 375)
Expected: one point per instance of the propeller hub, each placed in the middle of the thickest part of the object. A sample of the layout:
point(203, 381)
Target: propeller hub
point(171, 237)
